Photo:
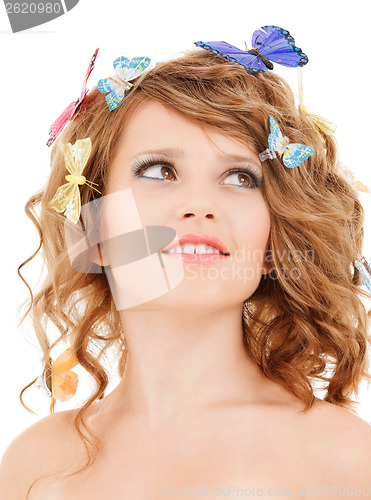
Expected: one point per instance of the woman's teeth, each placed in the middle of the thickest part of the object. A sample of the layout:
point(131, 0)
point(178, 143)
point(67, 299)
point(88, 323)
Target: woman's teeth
point(193, 249)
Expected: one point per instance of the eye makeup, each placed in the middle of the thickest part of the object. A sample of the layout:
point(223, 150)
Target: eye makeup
point(141, 163)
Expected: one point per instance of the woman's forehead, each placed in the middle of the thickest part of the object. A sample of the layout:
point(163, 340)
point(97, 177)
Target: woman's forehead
point(155, 126)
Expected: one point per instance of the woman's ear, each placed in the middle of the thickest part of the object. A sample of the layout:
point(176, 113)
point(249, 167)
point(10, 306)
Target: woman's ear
point(267, 267)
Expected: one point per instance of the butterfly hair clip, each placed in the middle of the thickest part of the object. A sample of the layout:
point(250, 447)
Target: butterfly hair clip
point(58, 381)
point(125, 70)
point(350, 176)
point(67, 197)
point(364, 268)
point(320, 122)
point(274, 44)
point(292, 154)
point(71, 110)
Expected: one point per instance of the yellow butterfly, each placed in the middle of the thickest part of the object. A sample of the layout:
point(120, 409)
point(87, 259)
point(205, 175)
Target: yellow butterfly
point(349, 175)
point(322, 123)
point(328, 128)
point(67, 197)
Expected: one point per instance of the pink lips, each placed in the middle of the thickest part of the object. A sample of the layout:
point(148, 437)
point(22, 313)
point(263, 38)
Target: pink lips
point(194, 239)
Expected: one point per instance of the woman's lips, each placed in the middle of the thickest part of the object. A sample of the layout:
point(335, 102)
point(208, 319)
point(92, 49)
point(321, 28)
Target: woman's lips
point(199, 239)
point(196, 258)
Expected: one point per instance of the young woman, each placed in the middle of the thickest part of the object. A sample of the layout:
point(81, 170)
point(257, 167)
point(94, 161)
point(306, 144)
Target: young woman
point(217, 370)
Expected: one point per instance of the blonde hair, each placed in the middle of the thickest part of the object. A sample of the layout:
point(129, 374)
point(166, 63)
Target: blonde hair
point(295, 325)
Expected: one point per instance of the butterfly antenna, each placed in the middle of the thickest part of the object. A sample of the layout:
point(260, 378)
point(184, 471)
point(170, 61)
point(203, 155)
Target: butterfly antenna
point(52, 404)
point(90, 184)
point(300, 87)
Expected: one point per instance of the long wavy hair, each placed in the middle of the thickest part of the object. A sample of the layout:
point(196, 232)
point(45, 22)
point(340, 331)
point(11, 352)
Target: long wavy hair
point(305, 317)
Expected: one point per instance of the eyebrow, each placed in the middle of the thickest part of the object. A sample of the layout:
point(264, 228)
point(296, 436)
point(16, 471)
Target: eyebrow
point(176, 153)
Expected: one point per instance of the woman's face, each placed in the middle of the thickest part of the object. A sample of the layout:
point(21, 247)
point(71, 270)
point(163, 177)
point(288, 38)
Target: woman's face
point(189, 188)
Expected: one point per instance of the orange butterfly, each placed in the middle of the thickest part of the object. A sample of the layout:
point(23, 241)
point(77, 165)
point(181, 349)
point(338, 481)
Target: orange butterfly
point(60, 382)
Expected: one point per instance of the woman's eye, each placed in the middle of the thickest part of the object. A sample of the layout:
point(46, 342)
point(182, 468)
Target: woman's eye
point(242, 178)
point(163, 170)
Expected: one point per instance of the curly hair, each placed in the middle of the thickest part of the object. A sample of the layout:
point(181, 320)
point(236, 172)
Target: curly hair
point(304, 317)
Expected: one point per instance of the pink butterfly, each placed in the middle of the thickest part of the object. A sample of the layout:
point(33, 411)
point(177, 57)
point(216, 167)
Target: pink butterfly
point(70, 111)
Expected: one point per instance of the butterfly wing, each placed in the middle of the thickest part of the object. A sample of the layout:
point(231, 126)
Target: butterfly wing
point(64, 381)
point(77, 155)
point(61, 198)
point(365, 275)
point(322, 123)
point(107, 85)
point(67, 200)
point(350, 176)
point(275, 138)
point(278, 46)
point(73, 209)
point(65, 362)
point(84, 90)
point(61, 122)
point(361, 187)
point(116, 90)
point(71, 109)
point(128, 69)
point(64, 385)
point(114, 98)
point(295, 154)
point(250, 62)
point(367, 265)
point(258, 38)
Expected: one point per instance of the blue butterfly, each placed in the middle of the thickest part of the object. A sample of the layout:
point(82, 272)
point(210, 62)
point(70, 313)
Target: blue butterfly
point(365, 270)
point(292, 154)
point(273, 44)
point(126, 70)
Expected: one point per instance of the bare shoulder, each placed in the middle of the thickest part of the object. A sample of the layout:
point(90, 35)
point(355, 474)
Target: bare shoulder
point(341, 441)
point(34, 452)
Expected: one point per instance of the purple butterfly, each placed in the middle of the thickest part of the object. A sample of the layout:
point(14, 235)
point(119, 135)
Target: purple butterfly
point(273, 44)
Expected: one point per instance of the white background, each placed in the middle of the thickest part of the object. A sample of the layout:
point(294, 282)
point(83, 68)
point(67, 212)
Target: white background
point(42, 72)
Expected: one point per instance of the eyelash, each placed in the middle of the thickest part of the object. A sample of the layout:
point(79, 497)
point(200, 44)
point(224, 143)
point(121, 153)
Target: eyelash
point(142, 165)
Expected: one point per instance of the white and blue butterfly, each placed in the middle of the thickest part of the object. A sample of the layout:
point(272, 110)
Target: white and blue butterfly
point(126, 70)
point(365, 270)
point(292, 154)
